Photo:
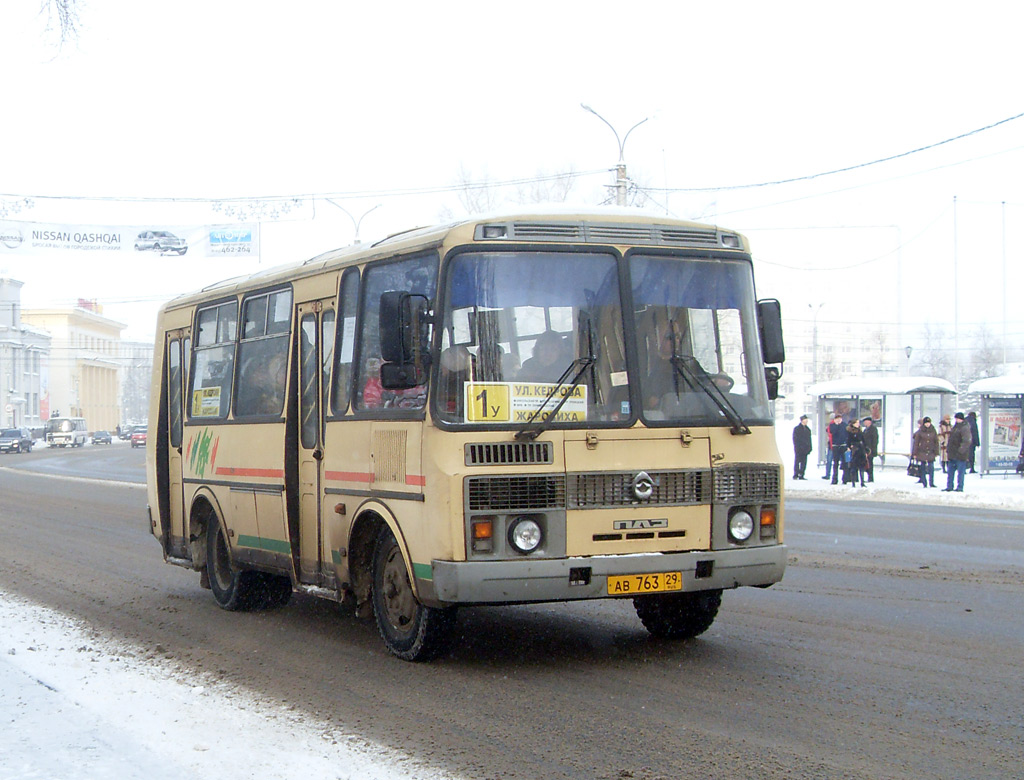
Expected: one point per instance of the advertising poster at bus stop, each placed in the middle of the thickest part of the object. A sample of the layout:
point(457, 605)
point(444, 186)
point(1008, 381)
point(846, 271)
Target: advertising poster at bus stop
point(1003, 430)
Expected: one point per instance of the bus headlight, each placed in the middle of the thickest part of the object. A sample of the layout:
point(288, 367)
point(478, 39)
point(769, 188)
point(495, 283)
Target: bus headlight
point(525, 535)
point(741, 525)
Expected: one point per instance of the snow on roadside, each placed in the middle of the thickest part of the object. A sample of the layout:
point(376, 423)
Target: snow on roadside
point(78, 705)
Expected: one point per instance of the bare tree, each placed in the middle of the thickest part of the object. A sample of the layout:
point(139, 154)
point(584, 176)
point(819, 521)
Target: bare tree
point(478, 193)
point(986, 355)
point(62, 17)
point(936, 357)
point(547, 188)
point(879, 339)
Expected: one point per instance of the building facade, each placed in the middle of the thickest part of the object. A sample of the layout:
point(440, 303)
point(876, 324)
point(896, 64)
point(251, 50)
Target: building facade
point(24, 363)
point(85, 362)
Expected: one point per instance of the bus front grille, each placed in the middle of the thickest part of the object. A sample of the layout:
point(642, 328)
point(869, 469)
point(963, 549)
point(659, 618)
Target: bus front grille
point(523, 453)
point(753, 483)
point(615, 489)
point(492, 494)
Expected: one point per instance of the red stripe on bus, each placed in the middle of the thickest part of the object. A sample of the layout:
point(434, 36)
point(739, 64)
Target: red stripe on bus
point(231, 471)
point(349, 476)
point(367, 477)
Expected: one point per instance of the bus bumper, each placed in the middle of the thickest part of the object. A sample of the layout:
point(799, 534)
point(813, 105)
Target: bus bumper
point(564, 579)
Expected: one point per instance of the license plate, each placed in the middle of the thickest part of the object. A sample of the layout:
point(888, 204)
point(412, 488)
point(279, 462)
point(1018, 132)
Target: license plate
point(634, 584)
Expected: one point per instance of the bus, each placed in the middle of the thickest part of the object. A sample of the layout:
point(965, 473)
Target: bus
point(66, 432)
point(536, 407)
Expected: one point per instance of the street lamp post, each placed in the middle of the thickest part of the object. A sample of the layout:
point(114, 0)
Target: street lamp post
point(355, 222)
point(814, 340)
point(620, 166)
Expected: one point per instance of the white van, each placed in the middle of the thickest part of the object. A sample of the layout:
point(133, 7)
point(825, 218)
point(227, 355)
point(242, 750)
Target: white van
point(66, 432)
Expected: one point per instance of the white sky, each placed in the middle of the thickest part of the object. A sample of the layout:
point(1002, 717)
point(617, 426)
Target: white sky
point(241, 98)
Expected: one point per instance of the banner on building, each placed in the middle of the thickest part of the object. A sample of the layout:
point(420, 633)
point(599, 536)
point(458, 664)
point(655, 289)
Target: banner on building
point(144, 241)
point(1004, 419)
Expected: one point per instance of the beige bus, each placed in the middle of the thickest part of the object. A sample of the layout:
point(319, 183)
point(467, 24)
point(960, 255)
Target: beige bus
point(536, 407)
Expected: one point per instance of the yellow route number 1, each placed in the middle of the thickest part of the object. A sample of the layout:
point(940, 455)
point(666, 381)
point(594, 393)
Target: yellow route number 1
point(488, 403)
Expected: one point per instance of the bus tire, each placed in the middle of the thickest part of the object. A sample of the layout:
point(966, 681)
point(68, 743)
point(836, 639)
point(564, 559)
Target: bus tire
point(678, 615)
point(411, 631)
point(232, 590)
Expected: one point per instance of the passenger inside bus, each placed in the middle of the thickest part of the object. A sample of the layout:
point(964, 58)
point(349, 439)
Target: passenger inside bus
point(549, 361)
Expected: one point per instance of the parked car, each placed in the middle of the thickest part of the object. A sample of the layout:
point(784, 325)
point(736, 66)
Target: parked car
point(101, 437)
point(15, 440)
point(138, 436)
point(160, 241)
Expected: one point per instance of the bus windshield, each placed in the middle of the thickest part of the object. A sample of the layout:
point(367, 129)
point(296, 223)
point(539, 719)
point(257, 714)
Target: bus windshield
point(523, 332)
point(532, 337)
point(696, 326)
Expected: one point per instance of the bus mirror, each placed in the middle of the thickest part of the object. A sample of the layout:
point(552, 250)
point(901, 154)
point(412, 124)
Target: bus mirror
point(771, 379)
point(769, 321)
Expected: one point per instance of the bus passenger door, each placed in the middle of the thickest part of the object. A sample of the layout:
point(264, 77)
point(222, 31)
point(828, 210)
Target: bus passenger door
point(315, 351)
point(178, 349)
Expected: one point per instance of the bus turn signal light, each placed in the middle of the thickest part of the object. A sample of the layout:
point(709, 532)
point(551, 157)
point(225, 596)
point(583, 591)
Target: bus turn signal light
point(483, 533)
point(767, 522)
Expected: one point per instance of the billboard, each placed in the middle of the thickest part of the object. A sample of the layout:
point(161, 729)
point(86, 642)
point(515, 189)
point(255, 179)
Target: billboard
point(1003, 432)
point(144, 241)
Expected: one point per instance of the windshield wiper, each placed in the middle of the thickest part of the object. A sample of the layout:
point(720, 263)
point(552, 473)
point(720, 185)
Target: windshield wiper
point(693, 373)
point(580, 365)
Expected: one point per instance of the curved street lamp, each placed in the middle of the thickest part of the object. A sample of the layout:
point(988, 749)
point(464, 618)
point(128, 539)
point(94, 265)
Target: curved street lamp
point(620, 167)
point(355, 222)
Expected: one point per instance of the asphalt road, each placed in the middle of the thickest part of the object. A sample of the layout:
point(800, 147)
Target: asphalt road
point(893, 648)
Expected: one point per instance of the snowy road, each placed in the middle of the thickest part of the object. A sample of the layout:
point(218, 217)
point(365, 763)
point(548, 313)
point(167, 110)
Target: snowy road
point(882, 659)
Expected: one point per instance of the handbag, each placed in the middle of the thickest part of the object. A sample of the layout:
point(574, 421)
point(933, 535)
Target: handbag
point(914, 469)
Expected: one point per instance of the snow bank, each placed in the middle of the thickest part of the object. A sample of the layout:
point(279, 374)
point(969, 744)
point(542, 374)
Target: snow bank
point(77, 705)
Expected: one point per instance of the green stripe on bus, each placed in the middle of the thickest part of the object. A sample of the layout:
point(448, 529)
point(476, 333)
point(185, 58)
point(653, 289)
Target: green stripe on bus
point(271, 545)
point(423, 571)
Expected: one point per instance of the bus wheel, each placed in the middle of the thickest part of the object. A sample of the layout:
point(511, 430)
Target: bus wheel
point(232, 590)
point(678, 615)
point(411, 631)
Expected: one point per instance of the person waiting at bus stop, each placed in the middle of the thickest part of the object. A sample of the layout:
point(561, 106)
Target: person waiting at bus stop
point(959, 450)
point(854, 465)
point(925, 450)
point(801, 447)
point(870, 445)
point(838, 437)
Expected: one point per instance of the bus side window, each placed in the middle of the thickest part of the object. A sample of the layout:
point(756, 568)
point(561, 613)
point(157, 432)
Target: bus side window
point(263, 354)
point(348, 300)
point(215, 359)
point(174, 392)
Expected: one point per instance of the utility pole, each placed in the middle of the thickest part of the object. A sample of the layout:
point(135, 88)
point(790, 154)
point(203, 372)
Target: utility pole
point(621, 179)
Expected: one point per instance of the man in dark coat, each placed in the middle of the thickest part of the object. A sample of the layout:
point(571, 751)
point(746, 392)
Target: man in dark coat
point(801, 446)
point(837, 430)
point(959, 450)
point(972, 422)
point(870, 446)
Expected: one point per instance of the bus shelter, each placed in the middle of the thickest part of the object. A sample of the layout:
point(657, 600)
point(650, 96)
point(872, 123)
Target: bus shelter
point(894, 404)
point(1002, 407)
